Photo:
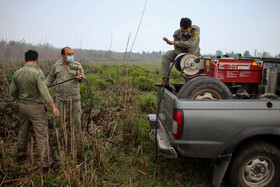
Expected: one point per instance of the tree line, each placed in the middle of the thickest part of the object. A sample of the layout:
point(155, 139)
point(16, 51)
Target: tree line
point(13, 51)
point(245, 54)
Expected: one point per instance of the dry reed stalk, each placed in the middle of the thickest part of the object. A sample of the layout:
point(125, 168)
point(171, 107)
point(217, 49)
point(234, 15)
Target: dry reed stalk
point(141, 171)
point(41, 166)
point(57, 138)
point(48, 148)
point(112, 134)
point(3, 155)
point(83, 139)
point(71, 130)
point(101, 160)
point(86, 141)
point(126, 64)
point(67, 177)
point(31, 153)
point(64, 130)
point(135, 126)
point(73, 145)
point(155, 172)
point(93, 177)
point(3, 180)
point(125, 54)
point(74, 178)
point(112, 174)
point(85, 179)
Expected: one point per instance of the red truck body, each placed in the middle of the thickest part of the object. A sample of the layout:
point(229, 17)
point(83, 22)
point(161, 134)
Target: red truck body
point(233, 70)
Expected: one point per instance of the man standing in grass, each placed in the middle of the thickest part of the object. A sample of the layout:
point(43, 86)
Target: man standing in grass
point(186, 40)
point(68, 93)
point(28, 86)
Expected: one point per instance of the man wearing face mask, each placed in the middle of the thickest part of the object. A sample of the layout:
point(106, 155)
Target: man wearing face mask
point(28, 86)
point(68, 92)
point(186, 40)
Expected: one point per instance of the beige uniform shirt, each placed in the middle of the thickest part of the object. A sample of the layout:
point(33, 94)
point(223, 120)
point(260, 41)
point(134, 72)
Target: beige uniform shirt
point(61, 72)
point(28, 85)
point(189, 43)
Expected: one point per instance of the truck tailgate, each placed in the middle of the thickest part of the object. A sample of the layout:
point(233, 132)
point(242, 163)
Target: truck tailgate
point(166, 108)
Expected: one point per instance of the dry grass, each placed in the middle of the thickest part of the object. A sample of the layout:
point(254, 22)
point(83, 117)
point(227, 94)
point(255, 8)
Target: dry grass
point(85, 160)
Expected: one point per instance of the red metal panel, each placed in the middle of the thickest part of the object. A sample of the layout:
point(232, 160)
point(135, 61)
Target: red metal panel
point(234, 70)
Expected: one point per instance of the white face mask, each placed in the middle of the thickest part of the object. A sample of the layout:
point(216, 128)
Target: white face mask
point(70, 59)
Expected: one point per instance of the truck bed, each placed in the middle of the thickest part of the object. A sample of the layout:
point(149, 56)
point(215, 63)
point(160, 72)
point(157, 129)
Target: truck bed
point(211, 127)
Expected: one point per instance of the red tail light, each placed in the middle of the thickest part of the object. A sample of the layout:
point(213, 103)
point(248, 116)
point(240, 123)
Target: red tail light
point(177, 124)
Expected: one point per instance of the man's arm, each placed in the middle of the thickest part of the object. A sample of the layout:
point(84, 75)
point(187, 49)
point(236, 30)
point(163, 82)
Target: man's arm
point(45, 94)
point(14, 89)
point(51, 77)
point(168, 41)
point(175, 36)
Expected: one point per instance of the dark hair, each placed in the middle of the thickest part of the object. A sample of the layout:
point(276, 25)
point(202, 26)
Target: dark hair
point(185, 23)
point(63, 50)
point(31, 55)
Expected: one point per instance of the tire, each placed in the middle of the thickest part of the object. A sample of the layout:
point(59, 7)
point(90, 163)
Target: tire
point(205, 88)
point(256, 164)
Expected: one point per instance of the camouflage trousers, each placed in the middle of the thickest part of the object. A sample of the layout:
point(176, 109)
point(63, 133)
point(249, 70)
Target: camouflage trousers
point(34, 115)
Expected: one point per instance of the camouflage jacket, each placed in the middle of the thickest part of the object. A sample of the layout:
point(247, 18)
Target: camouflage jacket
point(28, 85)
point(187, 44)
point(61, 72)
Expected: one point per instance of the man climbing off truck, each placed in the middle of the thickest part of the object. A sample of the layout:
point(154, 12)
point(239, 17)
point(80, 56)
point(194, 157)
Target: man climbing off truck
point(186, 40)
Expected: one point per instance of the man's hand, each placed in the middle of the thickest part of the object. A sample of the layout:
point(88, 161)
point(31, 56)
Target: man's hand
point(54, 109)
point(168, 41)
point(79, 77)
point(55, 112)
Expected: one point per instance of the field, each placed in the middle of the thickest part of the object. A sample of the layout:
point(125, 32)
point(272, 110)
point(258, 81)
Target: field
point(123, 94)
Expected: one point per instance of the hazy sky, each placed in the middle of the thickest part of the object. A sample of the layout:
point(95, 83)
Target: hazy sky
point(227, 25)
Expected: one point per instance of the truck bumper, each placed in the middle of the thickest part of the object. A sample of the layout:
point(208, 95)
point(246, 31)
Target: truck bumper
point(164, 145)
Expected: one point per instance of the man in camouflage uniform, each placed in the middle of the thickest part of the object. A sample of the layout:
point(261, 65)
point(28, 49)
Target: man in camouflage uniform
point(68, 92)
point(28, 86)
point(186, 40)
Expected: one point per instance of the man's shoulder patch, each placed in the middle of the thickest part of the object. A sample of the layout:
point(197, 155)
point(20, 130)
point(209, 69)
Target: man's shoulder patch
point(42, 78)
point(195, 35)
point(73, 67)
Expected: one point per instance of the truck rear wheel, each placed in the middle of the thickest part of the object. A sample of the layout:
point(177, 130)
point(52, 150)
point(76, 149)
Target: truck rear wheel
point(205, 88)
point(256, 164)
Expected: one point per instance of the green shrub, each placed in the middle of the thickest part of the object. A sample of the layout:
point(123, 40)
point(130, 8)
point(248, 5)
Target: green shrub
point(147, 102)
point(144, 83)
point(96, 70)
point(10, 74)
point(175, 76)
point(96, 82)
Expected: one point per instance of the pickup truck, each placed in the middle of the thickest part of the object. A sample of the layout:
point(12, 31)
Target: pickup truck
point(241, 136)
